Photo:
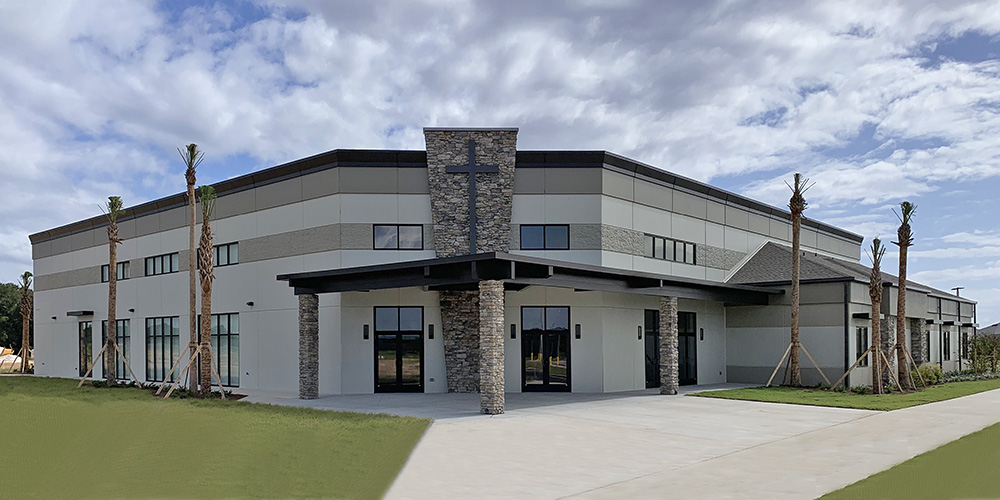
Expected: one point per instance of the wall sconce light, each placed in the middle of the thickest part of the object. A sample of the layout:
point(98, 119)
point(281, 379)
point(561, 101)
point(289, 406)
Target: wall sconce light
point(250, 303)
point(702, 333)
point(132, 310)
point(53, 318)
point(640, 332)
point(430, 332)
point(513, 331)
point(365, 330)
point(578, 331)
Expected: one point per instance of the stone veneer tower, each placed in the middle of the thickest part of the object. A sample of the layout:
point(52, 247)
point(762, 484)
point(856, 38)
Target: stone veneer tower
point(448, 163)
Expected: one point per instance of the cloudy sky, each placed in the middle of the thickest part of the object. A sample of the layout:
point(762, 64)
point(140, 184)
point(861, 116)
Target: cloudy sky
point(876, 105)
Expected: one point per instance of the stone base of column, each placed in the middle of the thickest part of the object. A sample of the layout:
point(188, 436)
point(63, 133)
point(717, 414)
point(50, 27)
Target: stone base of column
point(308, 346)
point(669, 376)
point(491, 358)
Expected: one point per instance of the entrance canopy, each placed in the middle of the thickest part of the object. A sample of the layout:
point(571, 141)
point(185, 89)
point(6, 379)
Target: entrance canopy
point(518, 272)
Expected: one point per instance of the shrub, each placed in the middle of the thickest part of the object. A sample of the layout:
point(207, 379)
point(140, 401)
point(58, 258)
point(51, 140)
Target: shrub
point(985, 352)
point(930, 372)
point(861, 389)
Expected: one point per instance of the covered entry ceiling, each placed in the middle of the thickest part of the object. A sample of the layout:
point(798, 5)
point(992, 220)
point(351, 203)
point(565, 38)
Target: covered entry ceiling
point(518, 272)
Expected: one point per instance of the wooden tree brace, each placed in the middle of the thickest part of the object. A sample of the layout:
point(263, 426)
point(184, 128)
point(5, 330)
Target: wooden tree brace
point(92, 365)
point(848, 372)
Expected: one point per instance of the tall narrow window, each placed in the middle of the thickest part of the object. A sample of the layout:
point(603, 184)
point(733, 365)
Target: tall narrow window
point(861, 344)
point(226, 348)
point(162, 347)
point(946, 346)
point(86, 336)
point(122, 338)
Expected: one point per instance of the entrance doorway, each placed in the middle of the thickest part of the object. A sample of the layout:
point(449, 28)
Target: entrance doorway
point(545, 349)
point(687, 348)
point(399, 349)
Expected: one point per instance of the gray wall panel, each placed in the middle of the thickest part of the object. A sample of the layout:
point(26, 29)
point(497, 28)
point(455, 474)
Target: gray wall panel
point(689, 204)
point(413, 181)
point(737, 217)
point(322, 183)
point(279, 193)
point(654, 195)
point(361, 237)
point(584, 236)
point(760, 224)
point(303, 241)
point(618, 185)
point(529, 181)
point(174, 218)
point(230, 205)
point(716, 212)
point(572, 181)
point(369, 180)
point(76, 277)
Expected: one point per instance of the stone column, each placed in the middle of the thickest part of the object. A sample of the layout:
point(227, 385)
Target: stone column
point(491, 383)
point(669, 378)
point(308, 346)
point(460, 331)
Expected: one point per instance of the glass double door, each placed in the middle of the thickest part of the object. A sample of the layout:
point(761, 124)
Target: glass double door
point(687, 348)
point(399, 349)
point(545, 349)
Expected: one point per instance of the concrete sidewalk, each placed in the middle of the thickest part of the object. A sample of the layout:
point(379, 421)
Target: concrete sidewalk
point(676, 447)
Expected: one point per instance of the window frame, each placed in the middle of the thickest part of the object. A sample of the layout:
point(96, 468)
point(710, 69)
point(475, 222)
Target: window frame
point(545, 236)
point(946, 344)
point(397, 247)
point(85, 339)
point(672, 250)
point(231, 368)
point(172, 260)
point(151, 340)
point(124, 342)
point(124, 271)
point(228, 247)
point(862, 332)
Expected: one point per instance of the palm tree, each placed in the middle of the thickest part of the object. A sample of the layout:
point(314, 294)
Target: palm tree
point(114, 209)
point(26, 306)
point(904, 238)
point(875, 292)
point(205, 260)
point(796, 204)
point(192, 158)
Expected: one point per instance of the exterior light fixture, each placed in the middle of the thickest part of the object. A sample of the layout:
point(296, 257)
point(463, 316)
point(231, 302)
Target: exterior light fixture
point(640, 332)
point(365, 332)
point(578, 331)
point(430, 332)
point(513, 331)
point(250, 303)
point(702, 333)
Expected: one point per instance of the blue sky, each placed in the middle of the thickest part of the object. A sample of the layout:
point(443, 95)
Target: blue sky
point(875, 103)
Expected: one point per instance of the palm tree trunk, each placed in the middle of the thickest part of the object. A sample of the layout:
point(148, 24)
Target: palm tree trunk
point(901, 364)
point(205, 259)
point(193, 288)
point(876, 365)
point(109, 347)
point(793, 360)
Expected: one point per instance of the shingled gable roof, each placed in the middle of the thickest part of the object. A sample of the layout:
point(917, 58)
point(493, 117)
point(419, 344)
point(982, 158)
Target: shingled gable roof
point(772, 265)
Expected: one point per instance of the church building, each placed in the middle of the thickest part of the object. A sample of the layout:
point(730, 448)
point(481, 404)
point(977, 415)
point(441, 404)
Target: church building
point(475, 267)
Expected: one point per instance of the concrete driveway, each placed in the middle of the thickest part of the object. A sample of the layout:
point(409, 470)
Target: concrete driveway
point(643, 445)
point(677, 447)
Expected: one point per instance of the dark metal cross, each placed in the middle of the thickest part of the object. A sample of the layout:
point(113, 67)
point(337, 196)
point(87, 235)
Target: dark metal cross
point(472, 169)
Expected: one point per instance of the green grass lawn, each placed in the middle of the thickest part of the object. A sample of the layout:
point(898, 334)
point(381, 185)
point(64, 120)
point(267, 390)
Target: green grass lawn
point(964, 468)
point(61, 442)
point(818, 397)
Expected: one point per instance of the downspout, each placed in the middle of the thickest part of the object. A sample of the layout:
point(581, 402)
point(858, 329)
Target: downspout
point(847, 329)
